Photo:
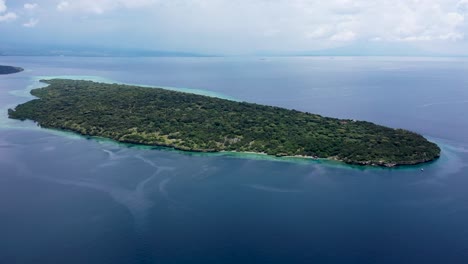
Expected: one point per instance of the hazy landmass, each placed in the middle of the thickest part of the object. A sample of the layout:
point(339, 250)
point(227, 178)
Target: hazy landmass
point(84, 51)
point(9, 69)
point(154, 116)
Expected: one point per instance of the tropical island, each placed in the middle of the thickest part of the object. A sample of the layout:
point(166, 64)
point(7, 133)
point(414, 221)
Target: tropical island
point(191, 122)
point(9, 69)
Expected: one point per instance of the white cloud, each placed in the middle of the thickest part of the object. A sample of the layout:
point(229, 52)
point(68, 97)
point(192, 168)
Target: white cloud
point(63, 5)
point(102, 6)
point(3, 6)
point(420, 20)
point(6, 17)
point(30, 6)
point(271, 32)
point(31, 23)
point(311, 20)
point(453, 19)
point(319, 32)
point(250, 25)
point(462, 5)
point(343, 36)
point(10, 16)
point(452, 36)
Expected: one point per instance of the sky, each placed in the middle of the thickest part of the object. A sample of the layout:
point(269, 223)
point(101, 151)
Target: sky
point(242, 27)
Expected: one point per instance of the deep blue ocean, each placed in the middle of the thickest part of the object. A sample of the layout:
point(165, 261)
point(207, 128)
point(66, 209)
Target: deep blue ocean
point(69, 199)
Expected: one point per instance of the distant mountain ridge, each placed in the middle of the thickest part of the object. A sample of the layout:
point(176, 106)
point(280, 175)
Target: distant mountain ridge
point(92, 52)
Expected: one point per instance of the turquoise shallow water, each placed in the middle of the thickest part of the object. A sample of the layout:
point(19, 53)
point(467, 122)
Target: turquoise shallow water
point(65, 198)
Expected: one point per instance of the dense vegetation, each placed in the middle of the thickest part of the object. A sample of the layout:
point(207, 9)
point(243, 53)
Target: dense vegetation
point(193, 122)
point(9, 69)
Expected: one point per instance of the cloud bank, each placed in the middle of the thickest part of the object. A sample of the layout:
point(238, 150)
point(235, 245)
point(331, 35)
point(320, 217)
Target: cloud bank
point(6, 16)
point(245, 25)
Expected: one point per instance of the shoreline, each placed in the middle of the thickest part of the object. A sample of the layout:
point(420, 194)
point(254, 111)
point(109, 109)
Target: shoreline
point(363, 164)
point(229, 154)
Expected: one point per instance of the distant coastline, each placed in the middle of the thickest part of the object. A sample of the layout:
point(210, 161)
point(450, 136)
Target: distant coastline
point(9, 69)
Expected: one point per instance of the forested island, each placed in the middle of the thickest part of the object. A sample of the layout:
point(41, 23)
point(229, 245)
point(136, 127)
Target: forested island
point(191, 122)
point(9, 69)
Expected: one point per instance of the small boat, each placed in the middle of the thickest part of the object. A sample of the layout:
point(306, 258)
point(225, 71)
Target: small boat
point(422, 169)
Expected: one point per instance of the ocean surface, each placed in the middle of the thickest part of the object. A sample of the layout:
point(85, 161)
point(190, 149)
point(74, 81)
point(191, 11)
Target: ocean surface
point(70, 199)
